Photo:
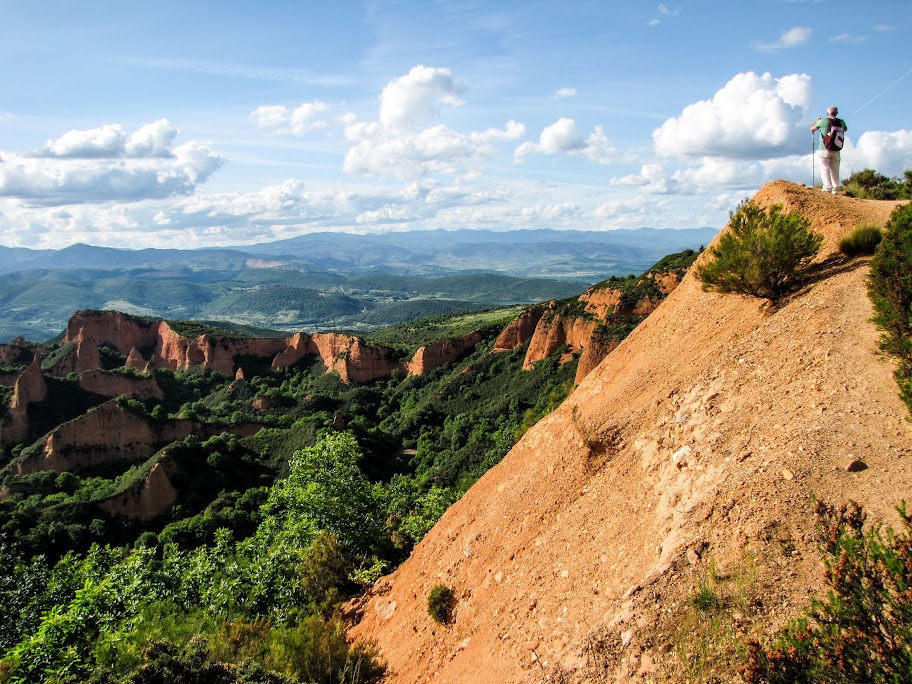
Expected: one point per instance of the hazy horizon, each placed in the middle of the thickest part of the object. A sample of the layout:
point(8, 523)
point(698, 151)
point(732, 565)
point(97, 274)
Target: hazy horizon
point(175, 125)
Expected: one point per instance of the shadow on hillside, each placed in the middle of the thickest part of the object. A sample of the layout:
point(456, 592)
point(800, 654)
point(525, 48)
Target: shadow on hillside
point(829, 267)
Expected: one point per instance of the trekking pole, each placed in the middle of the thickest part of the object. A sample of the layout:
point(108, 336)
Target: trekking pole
point(812, 160)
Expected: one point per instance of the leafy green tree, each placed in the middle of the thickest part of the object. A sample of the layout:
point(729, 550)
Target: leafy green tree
point(762, 254)
point(326, 491)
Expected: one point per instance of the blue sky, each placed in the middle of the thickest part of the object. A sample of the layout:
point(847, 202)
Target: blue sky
point(190, 124)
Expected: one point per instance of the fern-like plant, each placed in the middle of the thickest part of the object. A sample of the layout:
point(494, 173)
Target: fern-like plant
point(762, 254)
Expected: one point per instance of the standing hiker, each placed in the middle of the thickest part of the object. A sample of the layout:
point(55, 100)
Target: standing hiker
point(832, 137)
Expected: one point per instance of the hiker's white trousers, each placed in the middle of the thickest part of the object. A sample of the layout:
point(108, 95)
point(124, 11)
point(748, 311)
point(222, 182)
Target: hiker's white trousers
point(829, 169)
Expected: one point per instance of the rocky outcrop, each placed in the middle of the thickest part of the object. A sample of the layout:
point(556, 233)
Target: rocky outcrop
point(150, 344)
point(297, 348)
point(136, 361)
point(352, 359)
point(440, 353)
point(30, 387)
point(547, 329)
point(107, 434)
point(112, 384)
point(356, 361)
point(551, 333)
point(220, 354)
point(519, 330)
point(155, 344)
point(18, 352)
point(149, 498)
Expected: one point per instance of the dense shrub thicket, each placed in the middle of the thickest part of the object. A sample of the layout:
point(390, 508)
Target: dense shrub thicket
point(869, 184)
point(272, 597)
point(243, 580)
point(890, 289)
point(762, 254)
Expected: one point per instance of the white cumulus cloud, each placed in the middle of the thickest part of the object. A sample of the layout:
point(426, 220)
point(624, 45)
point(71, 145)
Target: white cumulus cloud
point(152, 140)
point(104, 141)
point(111, 141)
point(752, 116)
point(103, 164)
point(397, 145)
point(297, 121)
point(651, 179)
point(889, 152)
point(562, 137)
point(417, 97)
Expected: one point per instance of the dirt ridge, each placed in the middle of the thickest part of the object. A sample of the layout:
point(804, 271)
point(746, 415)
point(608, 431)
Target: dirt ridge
point(699, 442)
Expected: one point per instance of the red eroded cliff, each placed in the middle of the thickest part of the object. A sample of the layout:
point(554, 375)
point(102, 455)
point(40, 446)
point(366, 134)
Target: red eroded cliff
point(352, 359)
point(111, 384)
point(554, 332)
point(30, 387)
point(107, 434)
point(156, 344)
point(297, 348)
point(220, 354)
point(519, 330)
point(440, 353)
point(546, 330)
point(147, 499)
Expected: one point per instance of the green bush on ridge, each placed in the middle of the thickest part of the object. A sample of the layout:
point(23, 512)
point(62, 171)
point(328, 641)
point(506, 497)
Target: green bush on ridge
point(869, 184)
point(441, 602)
point(762, 254)
point(890, 289)
point(863, 240)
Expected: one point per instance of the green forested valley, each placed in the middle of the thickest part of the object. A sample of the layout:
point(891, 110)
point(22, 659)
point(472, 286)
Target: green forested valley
point(293, 492)
point(244, 580)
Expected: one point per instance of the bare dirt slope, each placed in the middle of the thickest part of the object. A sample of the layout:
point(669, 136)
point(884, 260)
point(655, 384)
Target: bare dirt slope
point(576, 557)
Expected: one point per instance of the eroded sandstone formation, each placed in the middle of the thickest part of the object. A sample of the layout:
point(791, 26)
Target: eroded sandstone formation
point(440, 353)
point(30, 387)
point(112, 384)
point(519, 330)
point(148, 498)
point(112, 433)
point(109, 433)
point(547, 329)
point(155, 344)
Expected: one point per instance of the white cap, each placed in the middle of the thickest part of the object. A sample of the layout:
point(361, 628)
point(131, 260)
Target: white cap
point(833, 111)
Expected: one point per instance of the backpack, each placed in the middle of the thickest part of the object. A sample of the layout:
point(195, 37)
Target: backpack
point(835, 135)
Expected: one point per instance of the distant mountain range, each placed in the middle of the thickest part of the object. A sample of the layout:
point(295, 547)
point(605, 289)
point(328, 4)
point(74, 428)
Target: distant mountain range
point(323, 280)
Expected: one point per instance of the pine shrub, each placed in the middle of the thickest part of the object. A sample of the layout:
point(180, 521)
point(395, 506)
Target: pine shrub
point(869, 184)
point(762, 254)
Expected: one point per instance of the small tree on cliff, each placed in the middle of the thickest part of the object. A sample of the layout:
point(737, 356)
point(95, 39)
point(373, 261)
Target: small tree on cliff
point(762, 254)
